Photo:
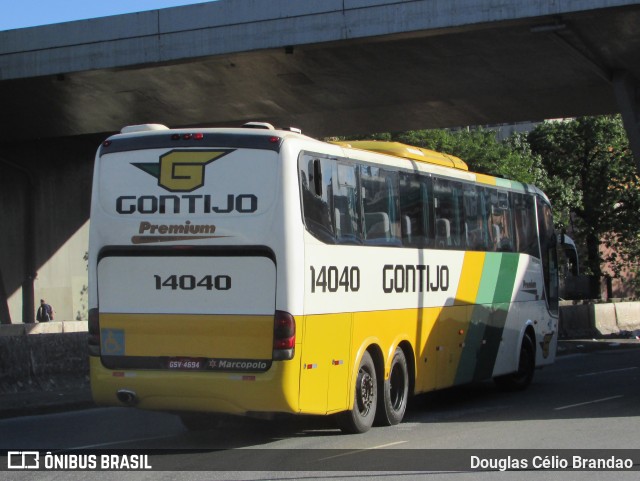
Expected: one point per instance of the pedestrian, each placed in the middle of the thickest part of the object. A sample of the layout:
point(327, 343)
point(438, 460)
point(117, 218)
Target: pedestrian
point(45, 312)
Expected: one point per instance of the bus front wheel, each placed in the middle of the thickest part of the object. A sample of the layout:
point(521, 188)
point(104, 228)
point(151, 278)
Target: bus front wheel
point(360, 418)
point(521, 379)
point(393, 402)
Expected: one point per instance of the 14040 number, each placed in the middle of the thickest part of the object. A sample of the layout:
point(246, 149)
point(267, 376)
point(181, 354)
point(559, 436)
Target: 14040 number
point(331, 279)
point(189, 282)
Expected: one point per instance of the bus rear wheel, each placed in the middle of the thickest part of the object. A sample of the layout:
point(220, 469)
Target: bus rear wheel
point(521, 379)
point(393, 403)
point(360, 418)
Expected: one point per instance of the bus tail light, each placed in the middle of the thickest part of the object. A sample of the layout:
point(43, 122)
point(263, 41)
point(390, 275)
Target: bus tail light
point(284, 336)
point(188, 136)
point(94, 332)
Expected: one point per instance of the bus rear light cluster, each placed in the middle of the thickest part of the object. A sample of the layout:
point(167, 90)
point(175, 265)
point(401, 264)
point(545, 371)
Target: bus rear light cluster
point(94, 332)
point(196, 136)
point(284, 336)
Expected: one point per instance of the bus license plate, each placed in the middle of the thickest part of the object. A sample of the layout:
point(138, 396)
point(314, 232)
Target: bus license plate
point(186, 363)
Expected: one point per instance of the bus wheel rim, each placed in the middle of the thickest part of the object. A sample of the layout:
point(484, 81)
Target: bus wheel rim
point(366, 392)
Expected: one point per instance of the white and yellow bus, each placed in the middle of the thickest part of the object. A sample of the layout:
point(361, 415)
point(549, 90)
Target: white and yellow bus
point(255, 270)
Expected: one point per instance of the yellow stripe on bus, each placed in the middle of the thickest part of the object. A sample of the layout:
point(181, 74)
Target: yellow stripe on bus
point(486, 179)
point(192, 335)
point(470, 277)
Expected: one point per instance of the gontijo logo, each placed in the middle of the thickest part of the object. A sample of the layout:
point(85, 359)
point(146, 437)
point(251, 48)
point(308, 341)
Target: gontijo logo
point(182, 170)
point(179, 171)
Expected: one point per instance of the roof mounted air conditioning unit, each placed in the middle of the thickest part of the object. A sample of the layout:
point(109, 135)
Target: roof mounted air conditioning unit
point(142, 128)
point(259, 125)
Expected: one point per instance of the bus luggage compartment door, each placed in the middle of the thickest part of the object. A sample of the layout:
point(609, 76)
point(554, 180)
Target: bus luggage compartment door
point(202, 313)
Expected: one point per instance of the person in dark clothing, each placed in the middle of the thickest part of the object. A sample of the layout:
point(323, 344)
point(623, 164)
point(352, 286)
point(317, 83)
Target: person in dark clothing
point(45, 312)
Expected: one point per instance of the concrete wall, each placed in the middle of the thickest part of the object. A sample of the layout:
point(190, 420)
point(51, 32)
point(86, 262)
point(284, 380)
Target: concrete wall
point(62, 280)
point(43, 357)
point(596, 320)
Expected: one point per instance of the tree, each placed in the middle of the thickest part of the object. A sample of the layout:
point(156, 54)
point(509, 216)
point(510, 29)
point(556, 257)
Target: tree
point(584, 165)
point(593, 185)
point(479, 148)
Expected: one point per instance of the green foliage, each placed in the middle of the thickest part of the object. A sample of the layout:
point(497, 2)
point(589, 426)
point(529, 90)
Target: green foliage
point(584, 165)
point(479, 148)
point(593, 183)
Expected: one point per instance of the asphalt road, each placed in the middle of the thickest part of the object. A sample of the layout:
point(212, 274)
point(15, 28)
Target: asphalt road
point(588, 402)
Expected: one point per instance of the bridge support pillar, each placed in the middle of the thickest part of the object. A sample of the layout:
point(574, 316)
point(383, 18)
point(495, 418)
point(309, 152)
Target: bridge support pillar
point(29, 246)
point(627, 91)
point(45, 196)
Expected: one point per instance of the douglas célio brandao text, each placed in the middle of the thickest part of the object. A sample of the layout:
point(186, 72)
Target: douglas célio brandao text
point(552, 462)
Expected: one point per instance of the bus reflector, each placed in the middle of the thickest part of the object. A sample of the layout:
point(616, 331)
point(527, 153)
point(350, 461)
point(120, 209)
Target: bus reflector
point(284, 336)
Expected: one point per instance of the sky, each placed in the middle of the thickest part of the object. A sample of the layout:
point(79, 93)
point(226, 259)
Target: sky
point(30, 13)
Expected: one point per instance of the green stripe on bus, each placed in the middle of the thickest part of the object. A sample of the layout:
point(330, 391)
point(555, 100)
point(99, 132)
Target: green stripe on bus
point(479, 318)
point(498, 310)
point(511, 184)
point(472, 343)
point(506, 278)
point(489, 280)
point(503, 183)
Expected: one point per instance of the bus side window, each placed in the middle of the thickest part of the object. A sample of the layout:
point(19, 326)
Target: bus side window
point(415, 210)
point(346, 204)
point(500, 225)
point(475, 221)
point(379, 188)
point(448, 208)
point(505, 214)
point(525, 224)
point(315, 183)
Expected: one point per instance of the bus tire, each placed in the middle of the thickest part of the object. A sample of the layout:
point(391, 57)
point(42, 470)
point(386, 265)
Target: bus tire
point(393, 402)
point(520, 379)
point(360, 418)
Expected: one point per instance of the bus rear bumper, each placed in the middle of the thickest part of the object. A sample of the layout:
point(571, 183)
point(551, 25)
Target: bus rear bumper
point(224, 392)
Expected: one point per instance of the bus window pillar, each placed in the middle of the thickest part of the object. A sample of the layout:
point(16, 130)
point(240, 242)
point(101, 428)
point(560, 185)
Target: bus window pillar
point(627, 91)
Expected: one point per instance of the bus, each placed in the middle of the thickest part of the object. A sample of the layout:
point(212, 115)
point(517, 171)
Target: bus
point(257, 271)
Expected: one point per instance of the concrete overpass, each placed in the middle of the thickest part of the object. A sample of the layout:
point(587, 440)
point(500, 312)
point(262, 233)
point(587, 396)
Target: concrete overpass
point(330, 67)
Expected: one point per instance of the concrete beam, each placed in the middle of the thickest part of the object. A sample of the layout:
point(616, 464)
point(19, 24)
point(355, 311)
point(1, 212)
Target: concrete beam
point(235, 26)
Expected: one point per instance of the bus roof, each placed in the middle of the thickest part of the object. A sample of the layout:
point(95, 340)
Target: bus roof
point(261, 130)
point(406, 151)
